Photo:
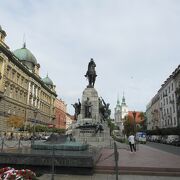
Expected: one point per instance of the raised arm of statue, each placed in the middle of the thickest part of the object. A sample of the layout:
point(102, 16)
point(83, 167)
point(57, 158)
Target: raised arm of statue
point(79, 101)
point(103, 101)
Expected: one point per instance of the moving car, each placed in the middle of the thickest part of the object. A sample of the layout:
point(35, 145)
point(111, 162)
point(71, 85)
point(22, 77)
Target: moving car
point(141, 137)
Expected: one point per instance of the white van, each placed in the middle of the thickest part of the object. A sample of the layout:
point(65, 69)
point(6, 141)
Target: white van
point(141, 137)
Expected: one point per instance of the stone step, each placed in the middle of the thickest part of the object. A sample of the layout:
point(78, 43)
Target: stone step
point(139, 170)
point(155, 173)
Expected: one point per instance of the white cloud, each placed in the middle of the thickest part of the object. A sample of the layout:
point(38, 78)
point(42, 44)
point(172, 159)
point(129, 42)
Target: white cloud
point(135, 44)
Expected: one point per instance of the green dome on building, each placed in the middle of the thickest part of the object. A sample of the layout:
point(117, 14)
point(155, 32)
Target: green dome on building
point(2, 31)
point(26, 57)
point(47, 81)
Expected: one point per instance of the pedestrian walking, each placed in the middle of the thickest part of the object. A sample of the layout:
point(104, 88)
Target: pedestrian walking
point(131, 140)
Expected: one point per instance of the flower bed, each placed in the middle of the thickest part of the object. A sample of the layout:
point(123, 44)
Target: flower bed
point(9, 173)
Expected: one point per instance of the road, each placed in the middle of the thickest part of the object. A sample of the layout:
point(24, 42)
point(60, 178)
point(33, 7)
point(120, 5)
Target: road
point(165, 147)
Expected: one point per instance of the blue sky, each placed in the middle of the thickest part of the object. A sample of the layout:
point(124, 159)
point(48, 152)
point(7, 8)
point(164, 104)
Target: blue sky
point(135, 44)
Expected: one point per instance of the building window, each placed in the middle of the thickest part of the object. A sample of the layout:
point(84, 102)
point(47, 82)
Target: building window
point(13, 74)
point(8, 71)
point(11, 92)
point(9, 111)
point(174, 121)
point(18, 77)
point(173, 108)
point(170, 111)
point(164, 112)
point(22, 82)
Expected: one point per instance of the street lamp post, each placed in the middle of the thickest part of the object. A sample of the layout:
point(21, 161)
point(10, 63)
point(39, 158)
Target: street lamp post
point(134, 116)
point(2, 113)
point(35, 115)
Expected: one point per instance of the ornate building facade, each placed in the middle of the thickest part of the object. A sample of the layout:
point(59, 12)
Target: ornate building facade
point(60, 112)
point(163, 111)
point(69, 120)
point(23, 93)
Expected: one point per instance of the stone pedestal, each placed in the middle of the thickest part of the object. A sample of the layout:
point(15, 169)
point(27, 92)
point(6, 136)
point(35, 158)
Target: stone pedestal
point(86, 129)
point(92, 94)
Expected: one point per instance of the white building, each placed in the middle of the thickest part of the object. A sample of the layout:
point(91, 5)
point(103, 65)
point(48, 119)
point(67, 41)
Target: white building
point(168, 113)
point(120, 111)
point(153, 113)
point(163, 111)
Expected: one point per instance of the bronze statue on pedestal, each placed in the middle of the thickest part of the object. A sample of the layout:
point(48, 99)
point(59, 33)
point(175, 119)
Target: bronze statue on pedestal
point(91, 73)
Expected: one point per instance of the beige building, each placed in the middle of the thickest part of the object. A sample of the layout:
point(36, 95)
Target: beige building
point(69, 120)
point(163, 111)
point(153, 113)
point(24, 95)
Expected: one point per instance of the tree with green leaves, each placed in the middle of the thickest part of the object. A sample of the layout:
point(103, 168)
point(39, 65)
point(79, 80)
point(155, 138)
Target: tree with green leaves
point(143, 122)
point(15, 121)
point(128, 126)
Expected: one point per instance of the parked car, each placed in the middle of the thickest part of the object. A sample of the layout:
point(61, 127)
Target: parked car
point(164, 139)
point(176, 142)
point(153, 138)
point(171, 138)
point(148, 137)
point(45, 137)
point(158, 139)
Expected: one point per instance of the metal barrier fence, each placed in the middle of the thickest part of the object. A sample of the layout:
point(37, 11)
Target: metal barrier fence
point(14, 144)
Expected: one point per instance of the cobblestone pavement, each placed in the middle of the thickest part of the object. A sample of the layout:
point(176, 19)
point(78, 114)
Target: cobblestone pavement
point(106, 177)
point(145, 157)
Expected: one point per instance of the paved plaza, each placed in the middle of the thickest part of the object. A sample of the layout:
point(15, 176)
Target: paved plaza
point(106, 177)
point(146, 164)
point(146, 160)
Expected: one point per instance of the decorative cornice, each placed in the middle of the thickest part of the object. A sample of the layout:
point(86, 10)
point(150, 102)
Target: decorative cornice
point(12, 58)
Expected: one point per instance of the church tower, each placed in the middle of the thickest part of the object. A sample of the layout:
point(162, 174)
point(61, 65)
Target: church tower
point(117, 112)
point(120, 111)
point(117, 116)
point(124, 108)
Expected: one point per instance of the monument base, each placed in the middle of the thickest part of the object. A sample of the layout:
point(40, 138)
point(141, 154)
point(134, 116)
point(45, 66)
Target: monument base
point(68, 146)
point(88, 134)
point(86, 121)
point(90, 97)
point(82, 161)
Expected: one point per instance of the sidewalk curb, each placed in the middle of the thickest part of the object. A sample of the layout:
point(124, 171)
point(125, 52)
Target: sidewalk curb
point(138, 171)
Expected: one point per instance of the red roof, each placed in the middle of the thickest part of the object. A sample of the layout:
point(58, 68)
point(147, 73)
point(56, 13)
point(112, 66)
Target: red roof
point(138, 117)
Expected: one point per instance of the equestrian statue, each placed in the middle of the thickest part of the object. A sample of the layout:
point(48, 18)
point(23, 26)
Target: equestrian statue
point(91, 73)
